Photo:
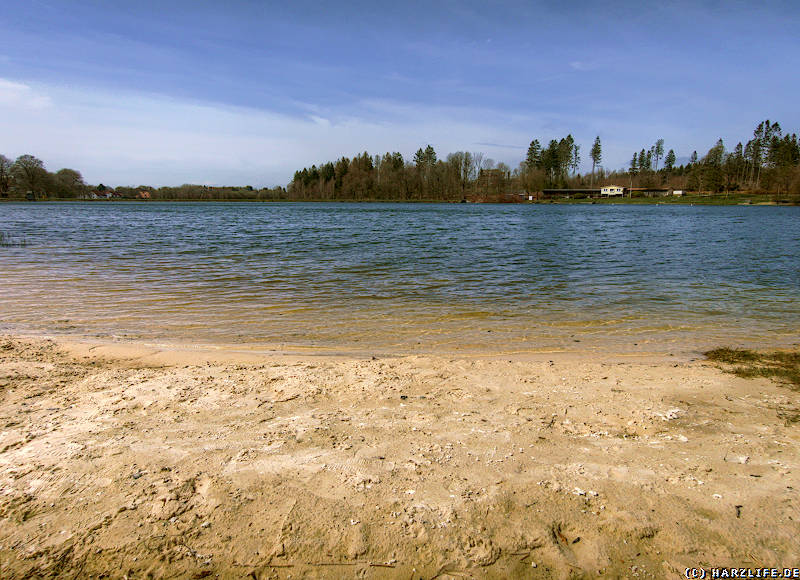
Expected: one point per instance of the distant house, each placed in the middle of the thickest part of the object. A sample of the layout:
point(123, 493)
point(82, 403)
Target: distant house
point(677, 192)
point(612, 190)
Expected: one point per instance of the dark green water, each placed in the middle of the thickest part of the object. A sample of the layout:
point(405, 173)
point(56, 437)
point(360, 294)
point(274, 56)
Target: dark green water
point(403, 277)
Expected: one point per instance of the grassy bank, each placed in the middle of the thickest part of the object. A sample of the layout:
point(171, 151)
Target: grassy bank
point(699, 199)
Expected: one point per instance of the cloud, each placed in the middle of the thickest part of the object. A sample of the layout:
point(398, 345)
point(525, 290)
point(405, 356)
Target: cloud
point(133, 138)
point(138, 138)
point(320, 120)
point(21, 96)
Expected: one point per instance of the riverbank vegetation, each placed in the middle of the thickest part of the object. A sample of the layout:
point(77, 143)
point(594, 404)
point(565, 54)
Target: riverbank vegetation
point(767, 164)
point(763, 169)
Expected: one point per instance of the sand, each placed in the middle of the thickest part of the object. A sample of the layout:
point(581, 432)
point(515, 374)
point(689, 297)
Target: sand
point(138, 461)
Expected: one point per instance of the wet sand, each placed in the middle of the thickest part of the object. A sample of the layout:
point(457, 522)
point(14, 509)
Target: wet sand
point(139, 461)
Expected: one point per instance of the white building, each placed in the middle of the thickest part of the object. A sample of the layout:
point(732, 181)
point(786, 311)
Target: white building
point(677, 192)
point(610, 190)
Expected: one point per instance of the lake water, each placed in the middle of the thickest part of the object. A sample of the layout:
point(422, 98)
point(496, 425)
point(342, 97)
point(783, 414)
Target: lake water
point(405, 277)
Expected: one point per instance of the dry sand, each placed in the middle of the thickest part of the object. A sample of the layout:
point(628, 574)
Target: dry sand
point(144, 462)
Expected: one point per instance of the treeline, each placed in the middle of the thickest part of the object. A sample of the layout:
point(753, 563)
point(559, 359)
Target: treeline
point(391, 177)
point(769, 162)
point(459, 176)
point(427, 177)
point(27, 177)
point(190, 192)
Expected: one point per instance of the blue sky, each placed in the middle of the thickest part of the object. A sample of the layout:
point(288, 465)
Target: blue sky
point(240, 92)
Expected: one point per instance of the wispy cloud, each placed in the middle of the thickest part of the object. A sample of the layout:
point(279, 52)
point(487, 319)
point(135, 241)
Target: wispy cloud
point(322, 121)
point(22, 96)
point(499, 146)
point(580, 65)
point(133, 138)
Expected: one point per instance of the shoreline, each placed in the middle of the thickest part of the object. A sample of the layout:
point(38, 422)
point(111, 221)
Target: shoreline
point(137, 459)
point(155, 351)
point(736, 199)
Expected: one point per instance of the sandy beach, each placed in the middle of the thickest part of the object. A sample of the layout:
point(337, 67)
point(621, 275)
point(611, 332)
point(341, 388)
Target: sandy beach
point(137, 461)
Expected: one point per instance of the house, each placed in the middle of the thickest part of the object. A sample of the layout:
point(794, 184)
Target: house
point(610, 190)
point(677, 192)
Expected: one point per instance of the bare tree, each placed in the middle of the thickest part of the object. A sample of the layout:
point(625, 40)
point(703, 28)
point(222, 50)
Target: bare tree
point(477, 163)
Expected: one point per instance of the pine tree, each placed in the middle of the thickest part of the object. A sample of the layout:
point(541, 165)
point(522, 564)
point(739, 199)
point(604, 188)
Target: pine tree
point(563, 157)
point(596, 154)
point(634, 169)
point(669, 161)
point(550, 159)
point(658, 151)
point(430, 156)
point(534, 158)
point(575, 159)
point(419, 158)
point(711, 169)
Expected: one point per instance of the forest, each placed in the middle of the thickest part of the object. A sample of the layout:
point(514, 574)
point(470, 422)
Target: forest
point(768, 162)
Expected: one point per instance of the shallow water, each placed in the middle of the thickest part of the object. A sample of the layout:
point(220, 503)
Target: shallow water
point(405, 277)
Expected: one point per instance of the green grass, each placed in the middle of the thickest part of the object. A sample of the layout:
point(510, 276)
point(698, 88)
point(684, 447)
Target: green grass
point(733, 198)
point(777, 365)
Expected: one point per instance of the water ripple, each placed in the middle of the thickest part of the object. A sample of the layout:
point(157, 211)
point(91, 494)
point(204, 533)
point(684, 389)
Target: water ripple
point(393, 274)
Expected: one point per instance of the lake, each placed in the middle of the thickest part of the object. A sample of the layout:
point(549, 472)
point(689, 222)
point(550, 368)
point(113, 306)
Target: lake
point(405, 278)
